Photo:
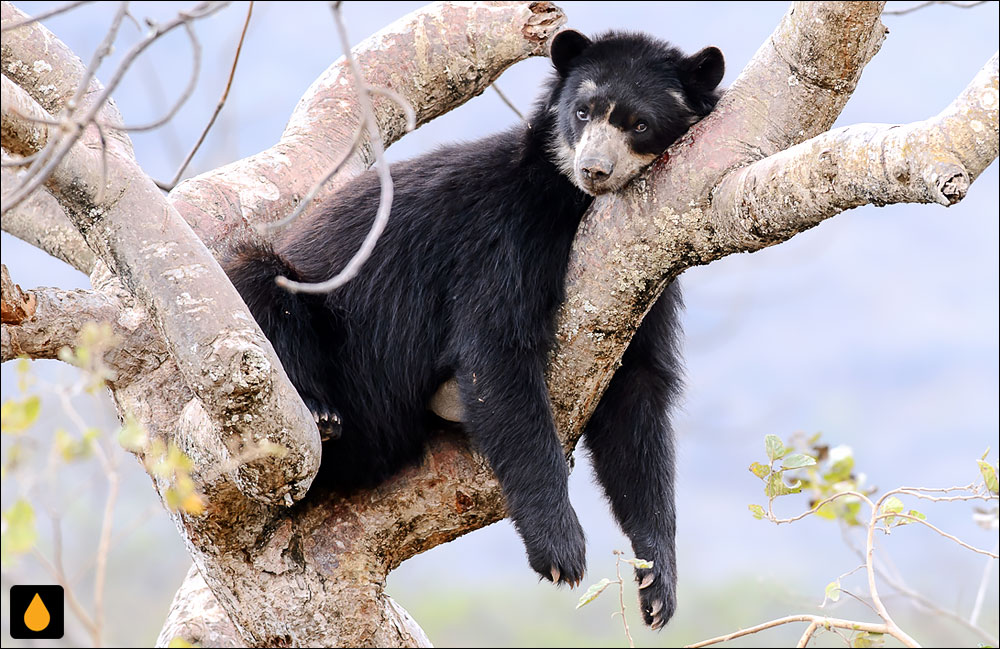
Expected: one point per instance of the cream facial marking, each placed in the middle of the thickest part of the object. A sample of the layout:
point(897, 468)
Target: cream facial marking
point(604, 160)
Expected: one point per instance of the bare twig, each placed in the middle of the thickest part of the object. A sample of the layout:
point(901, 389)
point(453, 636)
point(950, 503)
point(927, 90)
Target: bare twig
point(45, 14)
point(103, 547)
point(71, 600)
point(75, 126)
point(102, 51)
point(411, 123)
point(382, 168)
point(218, 108)
point(921, 601)
point(957, 540)
point(315, 189)
point(621, 595)
point(188, 91)
point(818, 620)
point(808, 634)
point(984, 583)
point(19, 161)
point(509, 103)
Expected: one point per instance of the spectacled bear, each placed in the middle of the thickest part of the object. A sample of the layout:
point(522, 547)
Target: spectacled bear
point(465, 282)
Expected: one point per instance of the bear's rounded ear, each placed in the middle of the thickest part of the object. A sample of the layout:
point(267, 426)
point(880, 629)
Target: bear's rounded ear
point(566, 46)
point(702, 71)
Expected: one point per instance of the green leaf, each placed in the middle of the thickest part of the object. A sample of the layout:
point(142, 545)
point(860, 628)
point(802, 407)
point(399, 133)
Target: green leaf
point(867, 639)
point(851, 511)
point(828, 511)
point(639, 564)
point(757, 511)
point(132, 437)
point(833, 591)
point(178, 642)
point(71, 448)
point(593, 592)
point(777, 487)
point(760, 470)
point(17, 416)
point(892, 505)
point(797, 461)
point(840, 470)
point(989, 475)
point(19, 533)
point(774, 448)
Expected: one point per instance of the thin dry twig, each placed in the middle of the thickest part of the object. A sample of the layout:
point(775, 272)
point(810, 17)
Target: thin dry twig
point(621, 595)
point(19, 161)
point(218, 109)
point(315, 189)
point(103, 550)
point(921, 601)
point(509, 103)
point(808, 634)
point(74, 126)
point(818, 620)
point(984, 583)
point(71, 600)
point(188, 91)
point(888, 627)
point(45, 14)
point(957, 540)
point(382, 168)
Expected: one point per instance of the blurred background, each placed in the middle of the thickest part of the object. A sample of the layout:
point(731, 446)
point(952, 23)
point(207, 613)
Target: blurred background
point(879, 328)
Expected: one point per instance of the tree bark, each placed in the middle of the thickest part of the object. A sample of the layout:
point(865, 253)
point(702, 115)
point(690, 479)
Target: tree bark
point(736, 182)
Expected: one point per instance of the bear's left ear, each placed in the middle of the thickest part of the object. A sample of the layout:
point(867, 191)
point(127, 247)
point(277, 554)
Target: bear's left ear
point(566, 46)
point(702, 71)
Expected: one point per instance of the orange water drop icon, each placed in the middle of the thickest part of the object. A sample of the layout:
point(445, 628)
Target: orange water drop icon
point(36, 617)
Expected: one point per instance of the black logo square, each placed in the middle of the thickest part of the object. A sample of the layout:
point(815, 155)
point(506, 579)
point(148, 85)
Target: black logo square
point(36, 612)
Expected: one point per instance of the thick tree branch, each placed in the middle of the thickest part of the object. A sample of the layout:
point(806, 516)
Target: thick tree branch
point(437, 58)
point(454, 492)
point(933, 161)
point(56, 318)
point(49, 71)
point(41, 221)
point(632, 243)
point(245, 397)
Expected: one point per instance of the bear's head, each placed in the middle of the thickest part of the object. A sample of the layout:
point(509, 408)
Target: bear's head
point(620, 100)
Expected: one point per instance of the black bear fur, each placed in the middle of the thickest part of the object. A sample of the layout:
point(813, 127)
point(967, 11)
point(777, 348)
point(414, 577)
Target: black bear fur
point(465, 282)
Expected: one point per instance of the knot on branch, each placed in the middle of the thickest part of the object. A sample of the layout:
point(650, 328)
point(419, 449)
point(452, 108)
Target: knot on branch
point(949, 188)
point(16, 305)
point(544, 22)
point(250, 372)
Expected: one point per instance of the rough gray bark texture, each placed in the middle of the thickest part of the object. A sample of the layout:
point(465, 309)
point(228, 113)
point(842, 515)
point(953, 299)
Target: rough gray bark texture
point(313, 574)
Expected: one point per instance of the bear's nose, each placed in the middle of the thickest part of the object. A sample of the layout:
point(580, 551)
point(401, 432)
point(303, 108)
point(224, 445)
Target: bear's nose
point(597, 169)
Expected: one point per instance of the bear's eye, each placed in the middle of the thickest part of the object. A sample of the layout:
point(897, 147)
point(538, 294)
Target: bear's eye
point(583, 114)
point(640, 127)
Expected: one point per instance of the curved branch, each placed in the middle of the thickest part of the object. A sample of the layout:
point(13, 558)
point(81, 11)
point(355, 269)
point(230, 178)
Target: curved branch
point(933, 161)
point(37, 61)
point(222, 355)
point(41, 221)
point(430, 57)
point(632, 243)
point(41, 322)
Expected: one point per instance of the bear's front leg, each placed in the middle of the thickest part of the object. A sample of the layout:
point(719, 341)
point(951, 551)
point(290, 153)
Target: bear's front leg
point(510, 420)
point(631, 445)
